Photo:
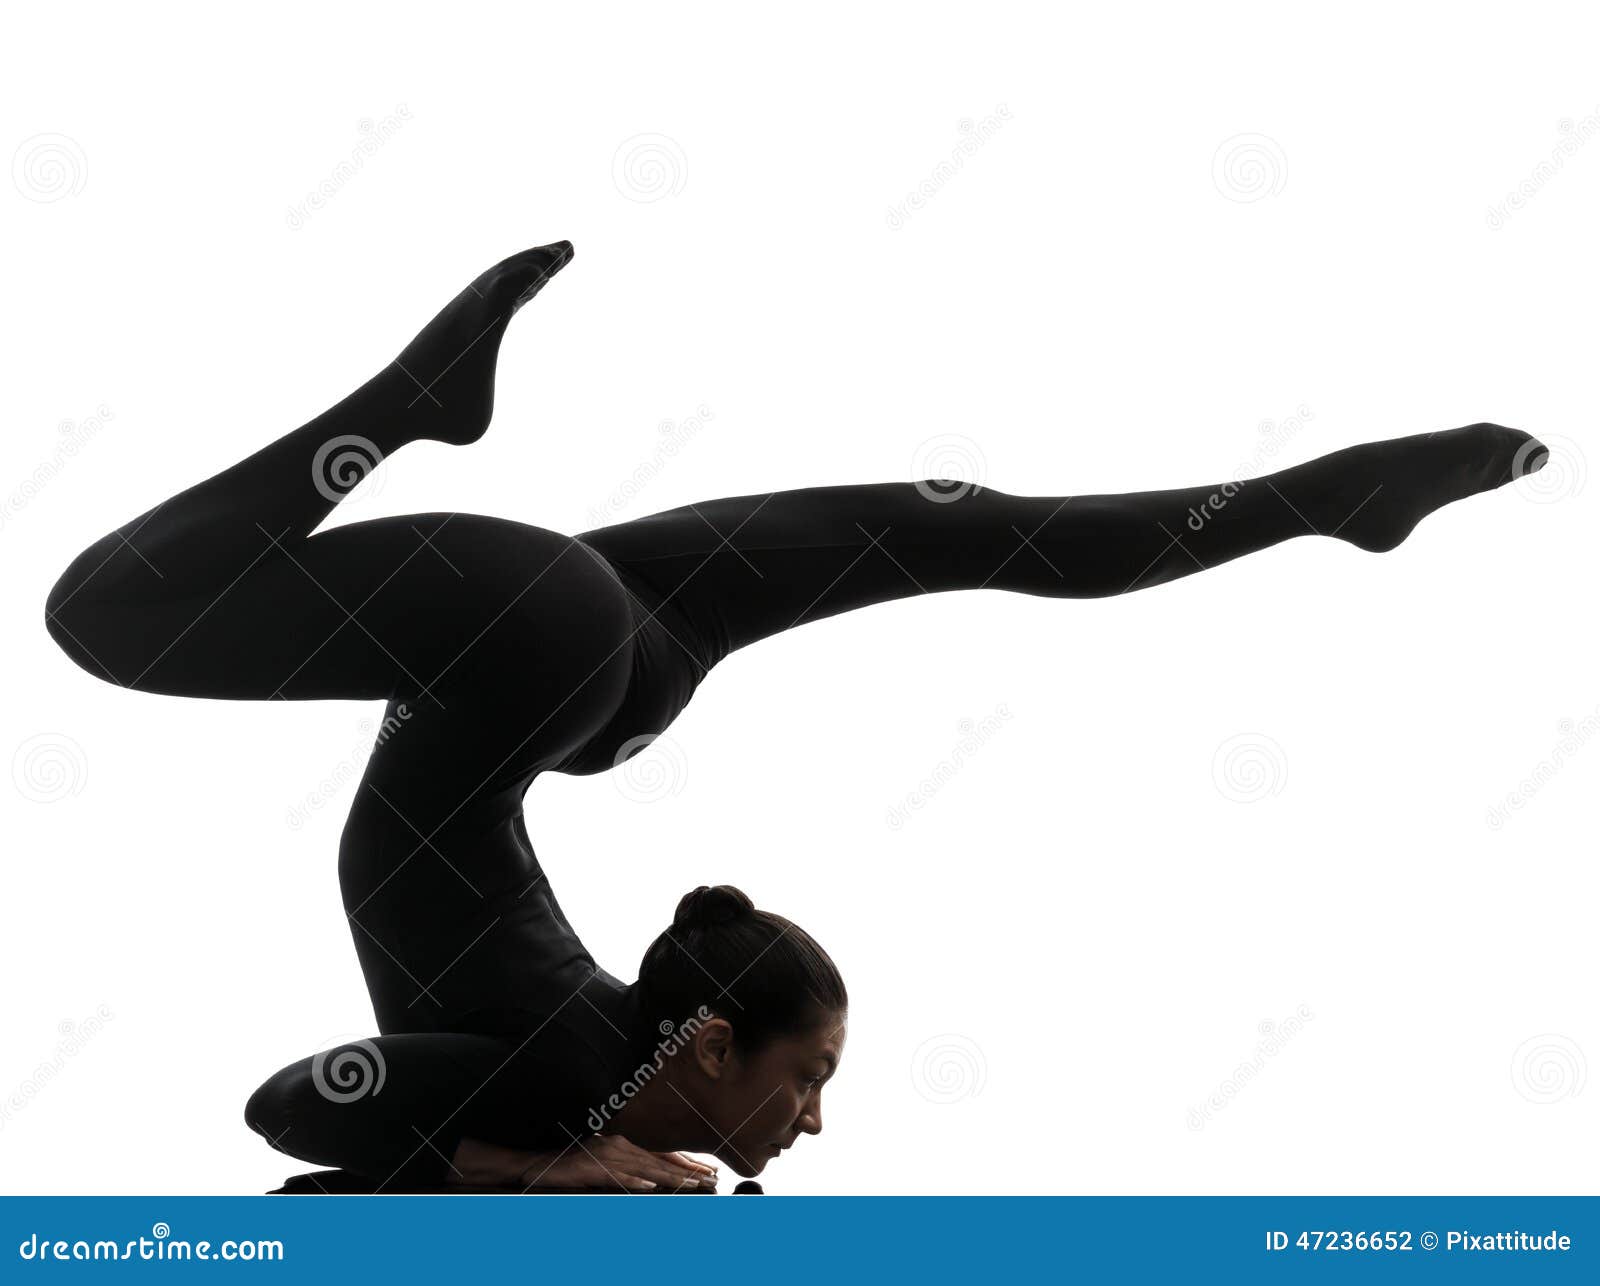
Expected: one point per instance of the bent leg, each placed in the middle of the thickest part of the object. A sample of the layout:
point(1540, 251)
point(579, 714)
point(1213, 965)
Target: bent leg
point(222, 591)
point(393, 1108)
point(420, 605)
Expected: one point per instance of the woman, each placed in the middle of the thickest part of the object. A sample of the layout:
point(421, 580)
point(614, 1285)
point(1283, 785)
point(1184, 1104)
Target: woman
point(508, 1057)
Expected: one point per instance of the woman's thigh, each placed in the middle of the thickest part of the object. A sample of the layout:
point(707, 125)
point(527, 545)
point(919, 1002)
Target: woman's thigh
point(436, 607)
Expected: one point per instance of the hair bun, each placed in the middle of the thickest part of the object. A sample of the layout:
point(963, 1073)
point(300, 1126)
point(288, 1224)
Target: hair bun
point(711, 905)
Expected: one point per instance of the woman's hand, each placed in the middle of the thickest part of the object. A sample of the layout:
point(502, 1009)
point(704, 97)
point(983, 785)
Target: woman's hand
point(608, 1161)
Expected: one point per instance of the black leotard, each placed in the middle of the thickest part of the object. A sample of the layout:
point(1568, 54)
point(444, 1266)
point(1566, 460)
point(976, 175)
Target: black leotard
point(504, 651)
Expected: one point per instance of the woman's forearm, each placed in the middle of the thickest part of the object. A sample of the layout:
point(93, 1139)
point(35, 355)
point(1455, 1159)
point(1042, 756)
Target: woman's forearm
point(477, 1164)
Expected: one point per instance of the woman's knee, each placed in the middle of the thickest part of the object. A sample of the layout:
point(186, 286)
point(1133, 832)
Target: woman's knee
point(73, 617)
point(270, 1109)
point(103, 631)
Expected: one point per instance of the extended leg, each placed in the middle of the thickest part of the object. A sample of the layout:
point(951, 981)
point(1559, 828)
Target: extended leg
point(219, 592)
point(748, 567)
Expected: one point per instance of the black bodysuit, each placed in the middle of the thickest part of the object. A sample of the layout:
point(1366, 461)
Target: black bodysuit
point(504, 650)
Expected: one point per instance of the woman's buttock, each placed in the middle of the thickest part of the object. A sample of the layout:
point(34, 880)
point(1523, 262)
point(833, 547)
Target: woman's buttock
point(527, 654)
point(560, 662)
point(563, 663)
point(512, 644)
point(668, 660)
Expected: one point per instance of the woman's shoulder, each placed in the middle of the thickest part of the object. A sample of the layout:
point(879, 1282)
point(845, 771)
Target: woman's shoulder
point(547, 1085)
point(561, 1049)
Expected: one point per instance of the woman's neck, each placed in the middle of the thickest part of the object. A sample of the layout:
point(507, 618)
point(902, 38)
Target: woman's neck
point(660, 1117)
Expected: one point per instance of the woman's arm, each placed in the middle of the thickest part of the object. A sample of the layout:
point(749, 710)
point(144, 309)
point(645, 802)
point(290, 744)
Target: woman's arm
point(437, 1110)
point(596, 1163)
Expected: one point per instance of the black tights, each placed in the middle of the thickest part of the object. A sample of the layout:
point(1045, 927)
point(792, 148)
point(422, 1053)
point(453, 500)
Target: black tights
point(505, 650)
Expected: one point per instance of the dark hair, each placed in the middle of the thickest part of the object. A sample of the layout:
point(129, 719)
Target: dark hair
point(764, 974)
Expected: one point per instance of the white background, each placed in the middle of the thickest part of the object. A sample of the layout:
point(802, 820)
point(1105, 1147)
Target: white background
point(1077, 941)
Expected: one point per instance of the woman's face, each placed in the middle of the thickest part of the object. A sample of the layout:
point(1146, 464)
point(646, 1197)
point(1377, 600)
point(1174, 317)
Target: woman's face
point(769, 1099)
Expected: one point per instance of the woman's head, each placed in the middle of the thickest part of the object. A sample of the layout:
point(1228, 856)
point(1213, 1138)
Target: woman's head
point(761, 1009)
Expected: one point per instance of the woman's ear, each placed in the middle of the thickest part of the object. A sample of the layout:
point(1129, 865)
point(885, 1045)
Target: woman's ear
point(713, 1048)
